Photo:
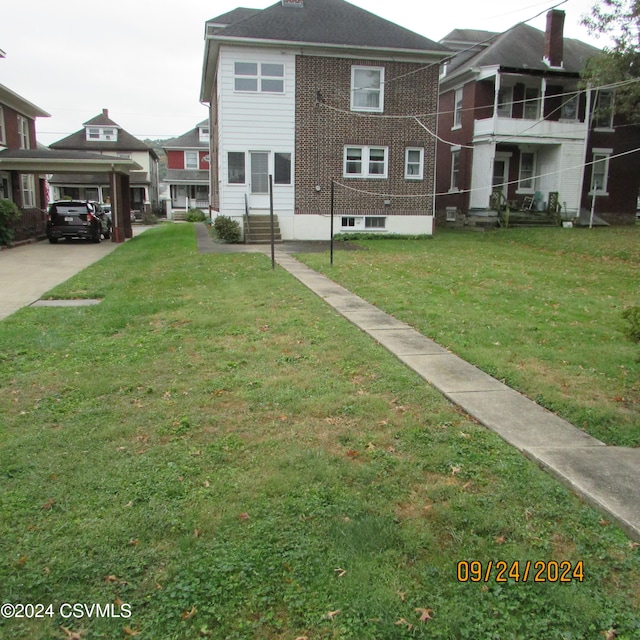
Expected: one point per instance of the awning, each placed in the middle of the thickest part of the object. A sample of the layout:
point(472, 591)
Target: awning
point(43, 161)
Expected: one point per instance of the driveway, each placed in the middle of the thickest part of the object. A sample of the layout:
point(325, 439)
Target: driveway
point(30, 270)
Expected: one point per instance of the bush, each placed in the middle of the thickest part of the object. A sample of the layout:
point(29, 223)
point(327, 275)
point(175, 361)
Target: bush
point(8, 213)
point(632, 315)
point(195, 215)
point(149, 218)
point(227, 229)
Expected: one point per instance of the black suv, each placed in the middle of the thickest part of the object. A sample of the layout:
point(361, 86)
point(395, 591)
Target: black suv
point(77, 219)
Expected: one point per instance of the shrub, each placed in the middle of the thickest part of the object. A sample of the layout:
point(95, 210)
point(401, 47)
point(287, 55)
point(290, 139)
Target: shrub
point(8, 213)
point(149, 218)
point(195, 215)
point(227, 229)
point(632, 315)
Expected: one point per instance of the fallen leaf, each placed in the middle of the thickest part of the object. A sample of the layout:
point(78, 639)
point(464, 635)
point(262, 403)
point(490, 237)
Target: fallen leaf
point(352, 453)
point(244, 516)
point(499, 539)
point(609, 635)
point(332, 614)
point(111, 579)
point(72, 635)
point(196, 533)
point(118, 602)
point(425, 614)
point(48, 504)
point(130, 632)
point(22, 560)
point(187, 615)
point(604, 523)
point(206, 484)
point(134, 542)
point(633, 545)
point(403, 622)
point(455, 470)
point(340, 572)
point(401, 595)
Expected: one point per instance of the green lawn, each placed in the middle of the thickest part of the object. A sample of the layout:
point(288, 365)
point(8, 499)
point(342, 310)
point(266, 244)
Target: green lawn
point(215, 451)
point(540, 309)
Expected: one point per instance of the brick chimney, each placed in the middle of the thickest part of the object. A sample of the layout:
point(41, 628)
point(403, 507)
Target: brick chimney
point(554, 38)
point(105, 113)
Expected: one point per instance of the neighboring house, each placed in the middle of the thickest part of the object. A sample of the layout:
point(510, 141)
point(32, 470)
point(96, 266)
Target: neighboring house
point(310, 92)
point(516, 128)
point(18, 131)
point(188, 169)
point(102, 135)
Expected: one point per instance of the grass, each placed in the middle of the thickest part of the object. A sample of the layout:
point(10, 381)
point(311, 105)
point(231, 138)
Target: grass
point(215, 448)
point(541, 309)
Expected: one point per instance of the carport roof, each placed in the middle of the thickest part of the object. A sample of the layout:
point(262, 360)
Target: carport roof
point(59, 161)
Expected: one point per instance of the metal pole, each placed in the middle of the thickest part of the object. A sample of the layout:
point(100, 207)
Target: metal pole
point(593, 207)
point(273, 238)
point(331, 239)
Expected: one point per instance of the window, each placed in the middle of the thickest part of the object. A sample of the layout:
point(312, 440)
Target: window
point(28, 191)
point(365, 162)
point(282, 168)
point(531, 103)
point(263, 77)
point(505, 102)
point(414, 164)
point(600, 171)
point(203, 134)
point(569, 109)
point(374, 223)
point(23, 133)
point(455, 170)
point(102, 134)
point(366, 89)
point(603, 110)
point(94, 134)
point(191, 160)
point(236, 167)
point(527, 171)
point(348, 222)
point(457, 112)
point(3, 139)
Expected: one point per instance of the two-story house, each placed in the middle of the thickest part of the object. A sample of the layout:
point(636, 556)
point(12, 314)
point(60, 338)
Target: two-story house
point(188, 169)
point(104, 136)
point(515, 127)
point(18, 131)
point(309, 93)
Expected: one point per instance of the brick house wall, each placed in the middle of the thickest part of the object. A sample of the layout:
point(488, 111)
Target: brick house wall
point(323, 130)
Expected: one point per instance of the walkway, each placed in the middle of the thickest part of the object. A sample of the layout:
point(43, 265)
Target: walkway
point(606, 477)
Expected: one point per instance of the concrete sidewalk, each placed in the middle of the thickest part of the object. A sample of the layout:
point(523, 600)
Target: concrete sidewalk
point(606, 477)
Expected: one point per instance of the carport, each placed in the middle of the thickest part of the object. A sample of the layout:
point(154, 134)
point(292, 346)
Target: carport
point(48, 161)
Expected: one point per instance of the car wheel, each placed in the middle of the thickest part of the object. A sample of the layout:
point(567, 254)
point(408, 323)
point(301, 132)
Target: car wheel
point(107, 233)
point(53, 240)
point(97, 238)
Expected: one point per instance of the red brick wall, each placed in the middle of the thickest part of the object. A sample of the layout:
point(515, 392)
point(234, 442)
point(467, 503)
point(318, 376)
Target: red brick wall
point(175, 159)
point(322, 131)
point(11, 129)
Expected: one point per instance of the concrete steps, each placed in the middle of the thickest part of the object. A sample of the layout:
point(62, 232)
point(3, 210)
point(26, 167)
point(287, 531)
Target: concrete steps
point(259, 229)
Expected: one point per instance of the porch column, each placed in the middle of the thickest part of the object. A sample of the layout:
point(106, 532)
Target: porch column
point(125, 189)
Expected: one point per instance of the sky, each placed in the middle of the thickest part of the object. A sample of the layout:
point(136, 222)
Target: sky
point(142, 59)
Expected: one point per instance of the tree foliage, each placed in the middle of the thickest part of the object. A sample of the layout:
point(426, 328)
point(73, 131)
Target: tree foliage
point(618, 20)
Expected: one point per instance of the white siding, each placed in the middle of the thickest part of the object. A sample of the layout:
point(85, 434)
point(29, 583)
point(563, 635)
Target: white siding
point(255, 122)
point(481, 176)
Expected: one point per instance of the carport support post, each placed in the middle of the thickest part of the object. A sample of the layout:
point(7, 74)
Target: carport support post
point(331, 239)
point(117, 207)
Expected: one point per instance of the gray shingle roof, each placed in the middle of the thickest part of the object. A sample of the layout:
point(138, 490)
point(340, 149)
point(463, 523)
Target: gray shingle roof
point(191, 176)
point(188, 140)
point(328, 22)
point(522, 47)
point(233, 16)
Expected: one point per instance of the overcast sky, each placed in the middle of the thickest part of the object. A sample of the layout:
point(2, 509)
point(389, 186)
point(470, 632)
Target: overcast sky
point(142, 59)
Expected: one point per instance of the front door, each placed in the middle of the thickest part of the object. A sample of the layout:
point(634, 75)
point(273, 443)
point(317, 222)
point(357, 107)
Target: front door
point(500, 175)
point(259, 179)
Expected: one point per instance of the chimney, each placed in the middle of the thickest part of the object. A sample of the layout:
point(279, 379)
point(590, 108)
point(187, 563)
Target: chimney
point(554, 38)
point(105, 113)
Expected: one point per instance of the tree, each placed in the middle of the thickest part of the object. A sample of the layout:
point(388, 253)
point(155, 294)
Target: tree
point(619, 20)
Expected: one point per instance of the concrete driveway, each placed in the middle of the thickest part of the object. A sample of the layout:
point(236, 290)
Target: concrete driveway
point(30, 270)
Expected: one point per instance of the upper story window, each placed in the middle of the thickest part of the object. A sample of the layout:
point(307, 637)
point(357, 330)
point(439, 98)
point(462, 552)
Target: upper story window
point(569, 108)
point(455, 169)
point(505, 102)
point(23, 133)
point(367, 92)
point(531, 103)
point(203, 134)
point(600, 171)
point(365, 162)
point(263, 77)
point(3, 138)
point(102, 134)
point(457, 111)
point(191, 160)
point(414, 163)
point(603, 110)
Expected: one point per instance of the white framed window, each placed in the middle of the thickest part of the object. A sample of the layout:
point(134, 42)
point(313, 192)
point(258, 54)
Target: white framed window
point(526, 176)
point(3, 137)
point(457, 109)
point(531, 103)
point(28, 184)
point(505, 102)
point(600, 172)
point(191, 160)
point(367, 89)
point(602, 116)
point(455, 169)
point(414, 163)
point(375, 222)
point(203, 134)
point(569, 109)
point(102, 134)
point(262, 77)
point(365, 162)
point(236, 172)
point(23, 133)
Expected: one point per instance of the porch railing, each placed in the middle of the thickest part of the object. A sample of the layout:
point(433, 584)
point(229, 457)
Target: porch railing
point(32, 225)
